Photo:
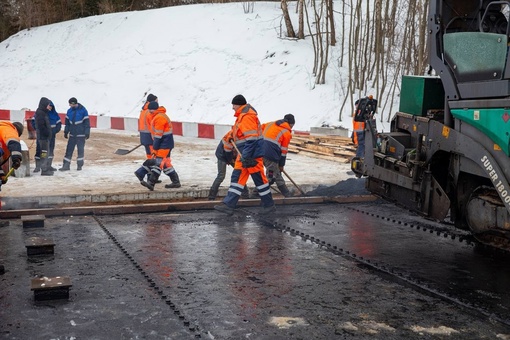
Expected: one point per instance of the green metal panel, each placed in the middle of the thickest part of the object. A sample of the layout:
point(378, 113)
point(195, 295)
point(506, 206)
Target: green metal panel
point(420, 94)
point(495, 123)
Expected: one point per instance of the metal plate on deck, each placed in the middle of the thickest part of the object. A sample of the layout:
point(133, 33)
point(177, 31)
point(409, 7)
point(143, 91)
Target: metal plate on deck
point(39, 246)
point(51, 288)
point(33, 221)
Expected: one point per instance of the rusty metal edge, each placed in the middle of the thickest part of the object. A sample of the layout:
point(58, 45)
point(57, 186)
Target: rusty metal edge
point(173, 206)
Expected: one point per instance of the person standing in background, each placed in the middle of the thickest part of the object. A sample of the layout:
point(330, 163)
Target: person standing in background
point(56, 126)
point(44, 134)
point(76, 131)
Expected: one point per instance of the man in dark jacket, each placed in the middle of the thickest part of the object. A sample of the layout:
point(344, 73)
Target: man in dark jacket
point(56, 126)
point(77, 130)
point(44, 134)
point(225, 155)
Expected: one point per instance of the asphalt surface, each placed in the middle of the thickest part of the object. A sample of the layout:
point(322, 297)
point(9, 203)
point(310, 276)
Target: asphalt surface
point(202, 275)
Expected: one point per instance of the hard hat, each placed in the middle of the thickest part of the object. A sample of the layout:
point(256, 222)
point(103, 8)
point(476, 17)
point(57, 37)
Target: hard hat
point(370, 97)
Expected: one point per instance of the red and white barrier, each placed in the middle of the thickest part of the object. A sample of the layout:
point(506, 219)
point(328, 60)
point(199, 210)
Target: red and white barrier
point(186, 129)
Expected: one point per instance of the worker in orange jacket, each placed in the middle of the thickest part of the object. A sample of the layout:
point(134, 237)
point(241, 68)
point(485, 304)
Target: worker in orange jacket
point(145, 135)
point(10, 147)
point(162, 135)
point(365, 110)
point(247, 137)
point(277, 136)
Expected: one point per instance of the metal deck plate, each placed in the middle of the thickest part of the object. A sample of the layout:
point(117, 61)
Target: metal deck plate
point(39, 246)
point(33, 221)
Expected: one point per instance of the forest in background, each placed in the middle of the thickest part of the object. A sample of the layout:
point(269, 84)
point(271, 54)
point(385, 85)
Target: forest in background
point(381, 39)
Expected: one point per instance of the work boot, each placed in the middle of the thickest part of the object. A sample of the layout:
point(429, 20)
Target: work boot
point(224, 209)
point(50, 161)
point(268, 210)
point(175, 181)
point(45, 169)
point(65, 167)
point(212, 194)
point(284, 190)
point(37, 165)
point(148, 185)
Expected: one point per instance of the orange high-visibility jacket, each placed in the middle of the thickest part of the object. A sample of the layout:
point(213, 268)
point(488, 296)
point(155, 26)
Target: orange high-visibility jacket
point(9, 141)
point(144, 126)
point(161, 129)
point(247, 131)
point(277, 136)
point(357, 127)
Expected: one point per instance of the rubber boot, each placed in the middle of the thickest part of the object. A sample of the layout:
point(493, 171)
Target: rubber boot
point(212, 194)
point(65, 167)
point(50, 161)
point(37, 165)
point(45, 169)
point(284, 190)
point(175, 181)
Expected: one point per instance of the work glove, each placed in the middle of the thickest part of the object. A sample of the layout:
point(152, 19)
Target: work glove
point(65, 135)
point(281, 168)
point(16, 161)
point(248, 162)
point(87, 136)
point(3, 180)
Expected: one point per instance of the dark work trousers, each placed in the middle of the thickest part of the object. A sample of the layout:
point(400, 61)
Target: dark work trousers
point(222, 172)
point(50, 151)
point(79, 143)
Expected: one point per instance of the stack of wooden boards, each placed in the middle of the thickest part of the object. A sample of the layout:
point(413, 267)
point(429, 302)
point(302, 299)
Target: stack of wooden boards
point(335, 148)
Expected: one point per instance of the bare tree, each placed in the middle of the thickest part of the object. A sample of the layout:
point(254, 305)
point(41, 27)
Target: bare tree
point(286, 17)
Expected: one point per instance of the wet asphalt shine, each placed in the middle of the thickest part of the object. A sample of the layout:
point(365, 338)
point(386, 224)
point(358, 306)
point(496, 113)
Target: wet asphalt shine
point(314, 271)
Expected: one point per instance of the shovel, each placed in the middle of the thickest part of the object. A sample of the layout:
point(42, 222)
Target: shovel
point(297, 186)
point(125, 152)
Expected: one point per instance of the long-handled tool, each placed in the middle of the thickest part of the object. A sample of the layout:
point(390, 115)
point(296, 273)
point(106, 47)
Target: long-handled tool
point(297, 186)
point(125, 152)
point(7, 176)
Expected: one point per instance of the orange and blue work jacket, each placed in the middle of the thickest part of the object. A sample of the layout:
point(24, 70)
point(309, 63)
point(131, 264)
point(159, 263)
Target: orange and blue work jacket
point(277, 136)
point(162, 132)
point(144, 126)
point(225, 150)
point(9, 141)
point(357, 127)
point(247, 132)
